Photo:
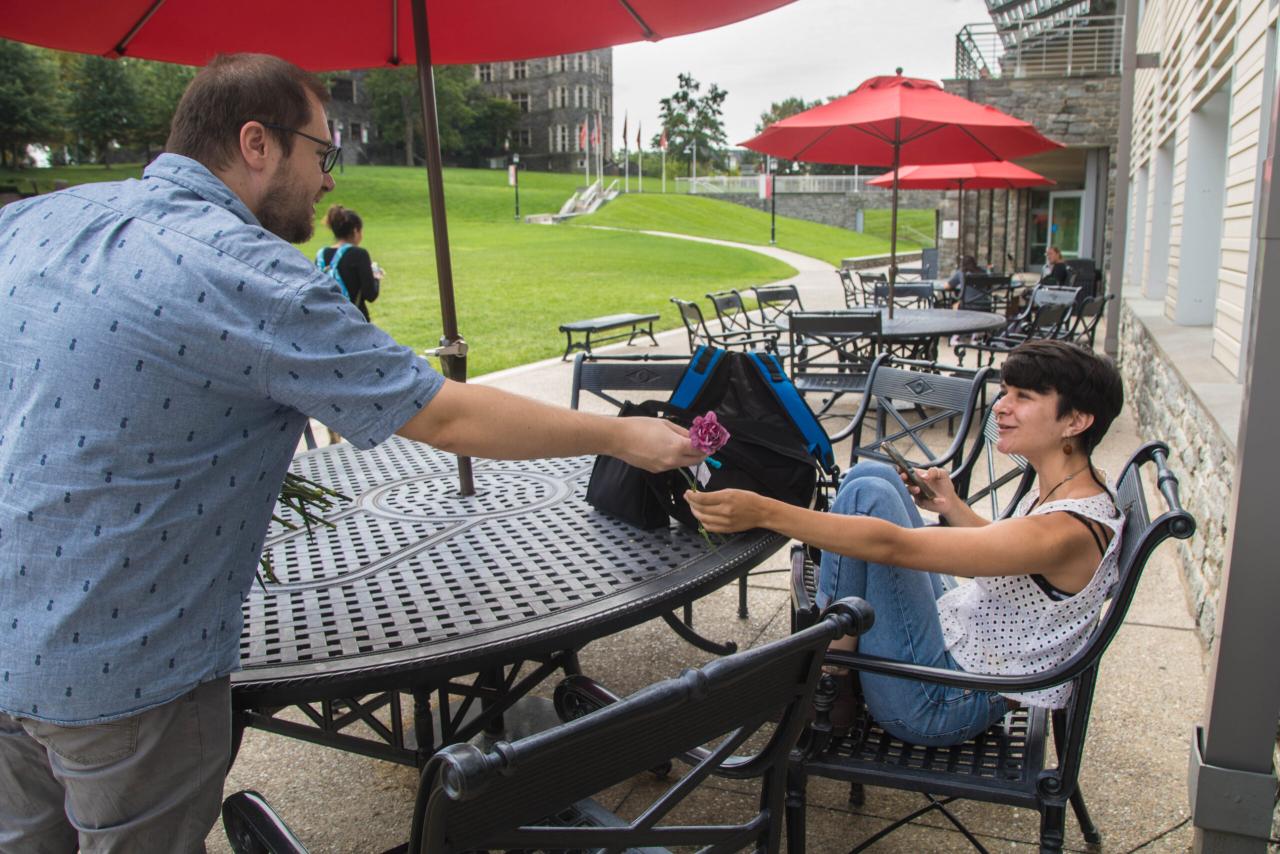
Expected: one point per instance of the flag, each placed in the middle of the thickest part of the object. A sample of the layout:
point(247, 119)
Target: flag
point(624, 130)
point(639, 146)
point(582, 136)
point(662, 143)
point(595, 131)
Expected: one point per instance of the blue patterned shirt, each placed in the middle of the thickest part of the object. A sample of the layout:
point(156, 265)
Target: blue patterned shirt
point(159, 352)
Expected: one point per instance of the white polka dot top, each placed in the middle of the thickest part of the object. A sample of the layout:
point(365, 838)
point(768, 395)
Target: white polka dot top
point(1008, 625)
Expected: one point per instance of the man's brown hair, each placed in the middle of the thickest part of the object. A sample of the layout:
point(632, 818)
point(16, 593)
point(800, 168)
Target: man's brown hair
point(233, 89)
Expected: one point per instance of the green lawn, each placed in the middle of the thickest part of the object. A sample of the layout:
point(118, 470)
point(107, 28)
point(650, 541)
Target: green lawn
point(515, 283)
point(711, 217)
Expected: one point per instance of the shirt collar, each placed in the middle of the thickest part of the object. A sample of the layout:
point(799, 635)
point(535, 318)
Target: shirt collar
point(194, 176)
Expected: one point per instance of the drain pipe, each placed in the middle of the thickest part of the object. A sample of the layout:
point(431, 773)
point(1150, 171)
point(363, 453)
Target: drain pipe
point(1120, 212)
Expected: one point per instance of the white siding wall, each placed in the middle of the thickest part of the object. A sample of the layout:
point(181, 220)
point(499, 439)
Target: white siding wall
point(1204, 46)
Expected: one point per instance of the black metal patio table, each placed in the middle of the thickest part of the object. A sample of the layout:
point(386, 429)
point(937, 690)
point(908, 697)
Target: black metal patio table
point(463, 604)
point(908, 323)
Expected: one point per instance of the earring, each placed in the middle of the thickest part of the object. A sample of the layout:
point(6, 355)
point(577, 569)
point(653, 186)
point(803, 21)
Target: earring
point(1066, 447)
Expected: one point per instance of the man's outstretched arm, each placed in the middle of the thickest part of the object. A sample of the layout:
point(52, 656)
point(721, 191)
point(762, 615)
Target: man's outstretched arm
point(479, 421)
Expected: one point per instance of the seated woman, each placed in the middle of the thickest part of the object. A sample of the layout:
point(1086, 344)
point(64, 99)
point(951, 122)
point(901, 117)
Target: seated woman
point(1039, 578)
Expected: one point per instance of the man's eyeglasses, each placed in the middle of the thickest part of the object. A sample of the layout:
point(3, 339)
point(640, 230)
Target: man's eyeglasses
point(331, 152)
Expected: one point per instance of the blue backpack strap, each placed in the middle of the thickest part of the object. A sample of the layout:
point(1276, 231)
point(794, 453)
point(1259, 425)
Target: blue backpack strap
point(815, 437)
point(701, 367)
point(332, 269)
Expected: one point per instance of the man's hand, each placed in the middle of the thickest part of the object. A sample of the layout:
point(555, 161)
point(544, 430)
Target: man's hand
point(654, 444)
point(727, 511)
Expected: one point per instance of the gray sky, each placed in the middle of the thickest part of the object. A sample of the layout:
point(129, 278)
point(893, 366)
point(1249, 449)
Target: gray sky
point(810, 49)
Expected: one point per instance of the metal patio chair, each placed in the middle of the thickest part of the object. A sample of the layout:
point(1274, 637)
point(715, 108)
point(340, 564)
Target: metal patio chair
point(695, 326)
point(1008, 764)
point(906, 400)
point(535, 793)
point(1086, 319)
point(774, 301)
point(852, 290)
point(834, 352)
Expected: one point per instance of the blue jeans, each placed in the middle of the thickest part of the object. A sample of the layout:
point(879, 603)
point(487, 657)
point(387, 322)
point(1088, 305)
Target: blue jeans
point(906, 626)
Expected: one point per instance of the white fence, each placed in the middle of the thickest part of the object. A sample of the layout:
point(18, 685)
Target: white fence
point(788, 184)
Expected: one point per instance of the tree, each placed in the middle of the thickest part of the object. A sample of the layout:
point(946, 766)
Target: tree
point(472, 124)
point(397, 110)
point(690, 118)
point(159, 87)
point(104, 104)
point(30, 101)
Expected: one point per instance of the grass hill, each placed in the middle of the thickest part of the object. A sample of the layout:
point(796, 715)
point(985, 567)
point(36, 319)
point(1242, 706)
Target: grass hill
point(514, 282)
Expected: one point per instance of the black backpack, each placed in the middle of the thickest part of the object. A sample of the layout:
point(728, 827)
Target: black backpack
point(776, 445)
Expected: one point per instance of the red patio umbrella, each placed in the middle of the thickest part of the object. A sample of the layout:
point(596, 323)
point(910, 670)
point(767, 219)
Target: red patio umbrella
point(891, 121)
point(990, 175)
point(326, 35)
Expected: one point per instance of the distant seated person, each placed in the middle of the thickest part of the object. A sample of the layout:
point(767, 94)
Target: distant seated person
point(968, 267)
point(1055, 269)
point(346, 263)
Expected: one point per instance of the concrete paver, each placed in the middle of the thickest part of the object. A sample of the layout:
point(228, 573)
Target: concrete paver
point(1150, 692)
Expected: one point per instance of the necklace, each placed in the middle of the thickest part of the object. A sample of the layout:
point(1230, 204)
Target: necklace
point(1044, 498)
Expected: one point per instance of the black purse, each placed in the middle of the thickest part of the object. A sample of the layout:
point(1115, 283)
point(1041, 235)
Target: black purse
point(634, 495)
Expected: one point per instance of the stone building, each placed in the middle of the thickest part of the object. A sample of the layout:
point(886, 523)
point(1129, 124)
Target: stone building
point(1056, 64)
point(556, 95)
point(351, 118)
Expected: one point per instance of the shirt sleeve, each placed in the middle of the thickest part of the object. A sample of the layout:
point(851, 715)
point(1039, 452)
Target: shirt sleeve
point(325, 360)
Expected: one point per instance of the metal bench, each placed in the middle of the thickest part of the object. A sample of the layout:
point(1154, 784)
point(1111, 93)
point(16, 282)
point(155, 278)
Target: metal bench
point(608, 323)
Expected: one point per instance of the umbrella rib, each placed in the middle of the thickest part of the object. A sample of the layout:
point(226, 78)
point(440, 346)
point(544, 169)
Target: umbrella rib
point(829, 130)
point(984, 146)
point(644, 27)
point(123, 44)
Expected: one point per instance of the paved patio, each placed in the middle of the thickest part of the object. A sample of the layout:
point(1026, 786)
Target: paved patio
point(1150, 693)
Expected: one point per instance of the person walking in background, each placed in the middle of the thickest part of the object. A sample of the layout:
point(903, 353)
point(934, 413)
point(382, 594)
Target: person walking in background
point(346, 262)
point(163, 347)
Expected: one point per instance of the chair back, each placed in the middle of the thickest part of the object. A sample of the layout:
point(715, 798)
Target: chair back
point(695, 326)
point(832, 351)
point(731, 311)
point(1049, 320)
point(851, 287)
point(915, 405)
point(603, 375)
point(506, 798)
point(1084, 326)
point(1054, 295)
point(867, 285)
point(774, 301)
point(905, 294)
point(1083, 274)
point(981, 292)
point(929, 263)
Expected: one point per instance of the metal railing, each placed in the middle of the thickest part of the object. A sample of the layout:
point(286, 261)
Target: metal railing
point(1062, 45)
point(750, 184)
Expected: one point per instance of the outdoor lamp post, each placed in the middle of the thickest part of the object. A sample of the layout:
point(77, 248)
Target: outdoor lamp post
point(772, 166)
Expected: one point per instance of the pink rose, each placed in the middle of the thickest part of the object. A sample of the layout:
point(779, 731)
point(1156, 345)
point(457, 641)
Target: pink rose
point(707, 434)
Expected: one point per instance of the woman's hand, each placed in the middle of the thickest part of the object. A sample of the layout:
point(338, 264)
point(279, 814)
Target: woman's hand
point(944, 492)
point(727, 511)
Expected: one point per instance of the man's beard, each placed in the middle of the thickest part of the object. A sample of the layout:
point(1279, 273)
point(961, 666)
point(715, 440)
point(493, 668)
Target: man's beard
point(286, 212)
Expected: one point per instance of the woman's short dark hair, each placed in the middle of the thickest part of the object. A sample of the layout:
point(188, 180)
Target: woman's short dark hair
point(344, 221)
point(1084, 381)
point(233, 89)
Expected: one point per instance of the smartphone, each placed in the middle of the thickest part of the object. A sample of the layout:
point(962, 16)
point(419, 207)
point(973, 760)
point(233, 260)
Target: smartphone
point(901, 462)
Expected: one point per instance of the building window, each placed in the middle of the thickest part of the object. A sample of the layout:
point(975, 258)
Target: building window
point(521, 100)
point(343, 89)
point(580, 97)
point(519, 70)
point(559, 64)
point(524, 139)
point(358, 133)
point(484, 73)
point(595, 64)
point(562, 96)
point(563, 142)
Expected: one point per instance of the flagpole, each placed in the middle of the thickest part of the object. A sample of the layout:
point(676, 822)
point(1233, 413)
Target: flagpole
point(584, 142)
point(640, 157)
point(626, 158)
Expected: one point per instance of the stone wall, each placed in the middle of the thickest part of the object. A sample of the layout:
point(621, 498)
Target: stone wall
point(832, 208)
point(1080, 112)
point(1201, 455)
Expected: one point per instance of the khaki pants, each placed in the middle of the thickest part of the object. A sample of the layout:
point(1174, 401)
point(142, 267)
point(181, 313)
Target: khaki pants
point(151, 782)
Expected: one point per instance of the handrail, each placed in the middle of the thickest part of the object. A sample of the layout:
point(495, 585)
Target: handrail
point(1061, 45)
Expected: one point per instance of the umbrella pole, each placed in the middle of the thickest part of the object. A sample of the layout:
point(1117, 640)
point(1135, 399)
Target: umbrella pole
point(893, 217)
point(960, 236)
point(453, 349)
